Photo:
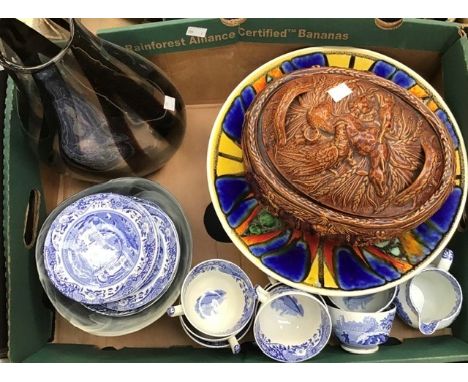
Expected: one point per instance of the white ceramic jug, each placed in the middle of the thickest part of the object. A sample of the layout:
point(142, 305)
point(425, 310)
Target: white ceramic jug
point(432, 299)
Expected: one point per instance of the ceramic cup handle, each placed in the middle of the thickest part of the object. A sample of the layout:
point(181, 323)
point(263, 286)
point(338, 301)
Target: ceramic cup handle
point(234, 344)
point(175, 311)
point(446, 260)
point(262, 295)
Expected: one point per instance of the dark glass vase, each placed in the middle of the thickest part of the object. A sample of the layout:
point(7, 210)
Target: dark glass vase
point(91, 109)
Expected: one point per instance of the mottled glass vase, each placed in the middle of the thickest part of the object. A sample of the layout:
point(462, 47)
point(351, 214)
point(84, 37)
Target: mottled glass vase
point(90, 109)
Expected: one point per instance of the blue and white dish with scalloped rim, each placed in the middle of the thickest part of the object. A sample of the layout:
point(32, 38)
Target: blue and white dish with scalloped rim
point(168, 254)
point(101, 248)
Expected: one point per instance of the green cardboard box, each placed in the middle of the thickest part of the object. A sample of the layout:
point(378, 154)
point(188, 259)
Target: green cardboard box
point(206, 69)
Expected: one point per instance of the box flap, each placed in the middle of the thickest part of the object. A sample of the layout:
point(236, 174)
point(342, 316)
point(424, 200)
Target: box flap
point(171, 36)
point(455, 72)
point(449, 349)
point(3, 318)
point(29, 322)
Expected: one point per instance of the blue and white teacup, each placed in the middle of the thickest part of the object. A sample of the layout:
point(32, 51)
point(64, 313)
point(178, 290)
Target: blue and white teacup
point(217, 298)
point(273, 285)
point(432, 299)
point(291, 325)
point(362, 332)
point(375, 302)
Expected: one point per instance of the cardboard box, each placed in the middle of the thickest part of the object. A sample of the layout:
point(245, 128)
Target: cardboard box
point(205, 70)
point(3, 314)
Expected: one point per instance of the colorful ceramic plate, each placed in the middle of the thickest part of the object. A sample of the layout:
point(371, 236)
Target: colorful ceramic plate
point(158, 282)
point(305, 261)
point(100, 248)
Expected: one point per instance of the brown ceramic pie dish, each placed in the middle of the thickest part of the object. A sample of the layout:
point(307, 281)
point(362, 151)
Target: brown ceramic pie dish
point(346, 154)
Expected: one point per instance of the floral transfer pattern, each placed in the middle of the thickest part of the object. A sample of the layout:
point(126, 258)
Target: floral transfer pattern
point(288, 306)
point(299, 352)
point(207, 304)
point(365, 333)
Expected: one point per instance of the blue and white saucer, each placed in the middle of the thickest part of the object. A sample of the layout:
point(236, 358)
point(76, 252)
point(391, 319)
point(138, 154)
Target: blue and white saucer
point(214, 343)
point(100, 248)
point(158, 281)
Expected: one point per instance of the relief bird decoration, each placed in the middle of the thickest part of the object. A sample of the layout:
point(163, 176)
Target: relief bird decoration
point(364, 166)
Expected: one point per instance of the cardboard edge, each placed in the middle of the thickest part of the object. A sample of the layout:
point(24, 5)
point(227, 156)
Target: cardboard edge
point(451, 350)
point(138, 27)
point(174, 31)
point(3, 288)
point(6, 199)
point(447, 33)
point(457, 77)
point(11, 252)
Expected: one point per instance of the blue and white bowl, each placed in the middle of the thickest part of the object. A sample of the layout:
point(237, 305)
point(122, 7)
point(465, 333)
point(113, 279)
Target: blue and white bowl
point(217, 298)
point(100, 248)
point(362, 332)
point(375, 302)
point(291, 325)
point(168, 254)
point(280, 287)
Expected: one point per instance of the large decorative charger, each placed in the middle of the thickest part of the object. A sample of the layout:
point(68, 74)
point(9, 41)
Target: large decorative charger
point(298, 257)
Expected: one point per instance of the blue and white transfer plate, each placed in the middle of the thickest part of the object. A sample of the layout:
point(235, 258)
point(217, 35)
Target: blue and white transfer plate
point(98, 324)
point(158, 282)
point(100, 248)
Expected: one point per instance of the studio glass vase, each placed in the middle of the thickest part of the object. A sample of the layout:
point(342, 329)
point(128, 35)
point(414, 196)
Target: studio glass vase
point(89, 108)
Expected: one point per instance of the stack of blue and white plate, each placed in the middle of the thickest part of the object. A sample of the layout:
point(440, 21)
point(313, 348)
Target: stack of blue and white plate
point(115, 254)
